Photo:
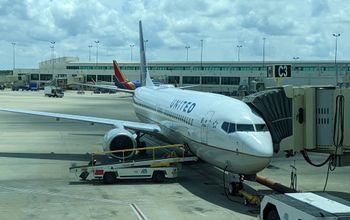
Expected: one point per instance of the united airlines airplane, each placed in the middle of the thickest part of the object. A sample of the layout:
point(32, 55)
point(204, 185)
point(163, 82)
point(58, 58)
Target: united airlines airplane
point(220, 130)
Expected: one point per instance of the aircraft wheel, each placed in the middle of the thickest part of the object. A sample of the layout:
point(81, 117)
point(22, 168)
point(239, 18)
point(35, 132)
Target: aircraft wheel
point(234, 187)
point(158, 176)
point(273, 215)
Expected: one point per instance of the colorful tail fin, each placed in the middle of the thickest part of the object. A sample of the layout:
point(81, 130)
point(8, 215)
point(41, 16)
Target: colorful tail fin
point(145, 77)
point(122, 81)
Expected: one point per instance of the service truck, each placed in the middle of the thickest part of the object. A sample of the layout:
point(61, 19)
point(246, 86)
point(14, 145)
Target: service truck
point(53, 91)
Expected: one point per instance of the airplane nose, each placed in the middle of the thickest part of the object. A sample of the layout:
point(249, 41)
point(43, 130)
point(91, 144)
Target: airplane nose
point(258, 144)
point(257, 150)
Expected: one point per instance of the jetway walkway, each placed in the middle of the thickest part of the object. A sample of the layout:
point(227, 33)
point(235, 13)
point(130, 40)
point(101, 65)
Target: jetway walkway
point(307, 119)
point(276, 109)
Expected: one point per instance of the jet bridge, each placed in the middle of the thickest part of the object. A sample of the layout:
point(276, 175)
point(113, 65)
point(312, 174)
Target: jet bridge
point(307, 119)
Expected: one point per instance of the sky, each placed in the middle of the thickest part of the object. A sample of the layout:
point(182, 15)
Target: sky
point(298, 28)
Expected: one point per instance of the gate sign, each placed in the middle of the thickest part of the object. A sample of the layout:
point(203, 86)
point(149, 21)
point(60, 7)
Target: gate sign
point(282, 71)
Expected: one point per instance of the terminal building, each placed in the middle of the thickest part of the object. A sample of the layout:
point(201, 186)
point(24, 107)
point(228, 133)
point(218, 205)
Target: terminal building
point(219, 77)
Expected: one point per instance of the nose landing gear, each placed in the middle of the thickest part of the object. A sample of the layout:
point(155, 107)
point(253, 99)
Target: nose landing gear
point(235, 186)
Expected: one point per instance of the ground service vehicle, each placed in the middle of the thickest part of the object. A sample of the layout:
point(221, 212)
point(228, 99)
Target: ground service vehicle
point(53, 91)
point(154, 167)
point(304, 206)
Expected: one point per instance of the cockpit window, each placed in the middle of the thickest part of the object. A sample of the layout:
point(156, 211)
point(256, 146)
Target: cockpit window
point(228, 127)
point(225, 126)
point(261, 127)
point(245, 127)
point(232, 128)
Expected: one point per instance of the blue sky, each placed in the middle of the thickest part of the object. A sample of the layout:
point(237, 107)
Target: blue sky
point(299, 28)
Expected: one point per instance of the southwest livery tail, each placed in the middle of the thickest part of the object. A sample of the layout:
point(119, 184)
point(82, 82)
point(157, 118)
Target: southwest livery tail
point(121, 81)
point(145, 77)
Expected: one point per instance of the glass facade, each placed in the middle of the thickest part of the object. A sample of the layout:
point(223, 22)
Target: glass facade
point(105, 78)
point(45, 77)
point(230, 80)
point(190, 80)
point(213, 80)
point(34, 76)
point(91, 78)
point(173, 79)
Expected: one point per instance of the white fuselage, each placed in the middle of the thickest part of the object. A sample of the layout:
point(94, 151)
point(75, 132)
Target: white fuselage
point(202, 120)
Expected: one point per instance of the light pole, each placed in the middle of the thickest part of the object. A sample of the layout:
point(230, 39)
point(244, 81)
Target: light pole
point(131, 46)
point(187, 47)
point(263, 53)
point(201, 53)
point(97, 42)
point(263, 58)
point(14, 55)
point(335, 58)
point(53, 56)
point(238, 52)
point(90, 52)
point(145, 44)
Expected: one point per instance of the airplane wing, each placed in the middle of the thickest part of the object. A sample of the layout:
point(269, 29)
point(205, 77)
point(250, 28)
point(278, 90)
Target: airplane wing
point(187, 87)
point(136, 126)
point(108, 87)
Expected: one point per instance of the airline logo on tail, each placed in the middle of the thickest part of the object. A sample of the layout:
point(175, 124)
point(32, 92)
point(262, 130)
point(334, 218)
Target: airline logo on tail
point(121, 81)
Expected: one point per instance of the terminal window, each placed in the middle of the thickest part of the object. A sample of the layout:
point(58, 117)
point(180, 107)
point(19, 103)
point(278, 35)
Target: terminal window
point(173, 79)
point(214, 80)
point(104, 78)
point(45, 77)
point(230, 80)
point(190, 80)
point(34, 76)
point(91, 78)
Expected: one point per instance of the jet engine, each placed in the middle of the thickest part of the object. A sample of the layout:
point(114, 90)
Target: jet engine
point(120, 139)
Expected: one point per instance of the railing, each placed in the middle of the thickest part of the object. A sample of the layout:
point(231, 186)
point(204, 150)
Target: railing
point(154, 148)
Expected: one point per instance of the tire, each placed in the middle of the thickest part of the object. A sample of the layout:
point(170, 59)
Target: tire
point(272, 215)
point(109, 178)
point(234, 187)
point(158, 176)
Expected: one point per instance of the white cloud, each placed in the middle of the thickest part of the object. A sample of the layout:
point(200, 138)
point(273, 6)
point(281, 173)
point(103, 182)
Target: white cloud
point(292, 28)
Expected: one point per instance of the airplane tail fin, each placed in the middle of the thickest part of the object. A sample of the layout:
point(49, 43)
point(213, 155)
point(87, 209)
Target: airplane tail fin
point(121, 80)
point(145, 77)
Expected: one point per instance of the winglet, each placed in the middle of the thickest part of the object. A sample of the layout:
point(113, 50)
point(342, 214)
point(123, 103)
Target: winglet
point(145, 77)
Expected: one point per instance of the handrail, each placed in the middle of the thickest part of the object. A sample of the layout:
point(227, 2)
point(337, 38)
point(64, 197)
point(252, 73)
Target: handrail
point(154, 148)
point(142, 148)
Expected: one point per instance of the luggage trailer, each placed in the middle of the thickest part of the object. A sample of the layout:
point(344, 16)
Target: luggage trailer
point(157, 167)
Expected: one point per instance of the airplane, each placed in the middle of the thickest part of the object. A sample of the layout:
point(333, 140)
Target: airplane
point(121, 81)
point(221, 130)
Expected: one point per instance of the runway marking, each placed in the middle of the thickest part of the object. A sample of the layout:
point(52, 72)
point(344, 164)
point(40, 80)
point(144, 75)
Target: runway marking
point(65, 195)
point(138, 212)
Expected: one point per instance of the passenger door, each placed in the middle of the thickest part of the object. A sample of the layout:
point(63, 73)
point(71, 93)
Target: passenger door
point(205, 122)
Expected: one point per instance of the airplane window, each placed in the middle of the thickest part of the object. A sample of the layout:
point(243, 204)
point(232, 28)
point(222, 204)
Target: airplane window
point(261, 127)
point(232, 128)
point(225, 126)
point(245, 127)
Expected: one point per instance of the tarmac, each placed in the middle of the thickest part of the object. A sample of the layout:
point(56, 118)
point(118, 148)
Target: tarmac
point(36, 153)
